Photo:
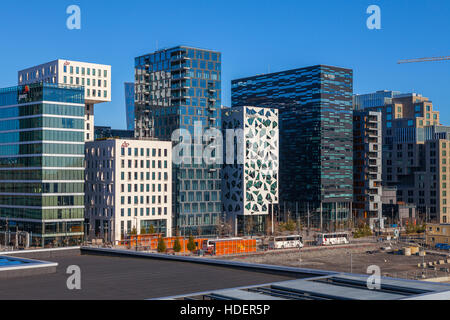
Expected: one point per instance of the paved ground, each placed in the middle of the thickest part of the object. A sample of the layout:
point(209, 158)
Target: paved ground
point(124, 278)
point(340, 260)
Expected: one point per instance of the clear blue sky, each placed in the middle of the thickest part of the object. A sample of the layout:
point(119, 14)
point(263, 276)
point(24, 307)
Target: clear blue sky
point(253, 35)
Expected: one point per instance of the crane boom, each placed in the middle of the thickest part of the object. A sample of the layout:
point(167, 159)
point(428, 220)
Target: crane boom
point(424, 59)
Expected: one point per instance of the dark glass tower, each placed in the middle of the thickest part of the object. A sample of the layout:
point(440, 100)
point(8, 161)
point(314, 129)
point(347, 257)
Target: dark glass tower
point(175, 89)
point(316, 136)
point(42, 163)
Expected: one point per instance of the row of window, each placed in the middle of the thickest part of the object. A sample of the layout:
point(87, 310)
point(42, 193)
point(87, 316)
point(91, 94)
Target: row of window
point(42, 214)
point(52, 162)
point(38, 201)
point(144, 152)
point(39, 122)
point(47, 174)
point(40, 135)
point(147, 176)
point(145, 165)
point(140, 200)
point(144, 188)
point(42, 108)
point(39, 148)
point(154, 211)
point(42, 187)
point(87, 71)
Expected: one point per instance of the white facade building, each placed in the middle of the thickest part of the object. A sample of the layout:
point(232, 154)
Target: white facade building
point(250, 185)
point(128, 185)
point(95, 78)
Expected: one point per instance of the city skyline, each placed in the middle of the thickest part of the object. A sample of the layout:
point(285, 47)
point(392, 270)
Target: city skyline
point(372, 54)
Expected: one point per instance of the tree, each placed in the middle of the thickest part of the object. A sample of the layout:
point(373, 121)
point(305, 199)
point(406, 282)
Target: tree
point(161, 245)
point(143, 230)
point(191, 244)
point(151, 229)
point(133, 231)
point(177, 245)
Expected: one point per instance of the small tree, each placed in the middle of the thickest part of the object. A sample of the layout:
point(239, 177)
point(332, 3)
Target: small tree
point(161, 245)
point(151, 229)
point(133, 231)
point(143, 230)
point(177, 245)
point(191, 244)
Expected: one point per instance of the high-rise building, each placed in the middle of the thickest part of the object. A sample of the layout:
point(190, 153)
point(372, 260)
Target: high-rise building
point(129, 105)
point(178, 88)
point(128, 185)
point(95, 78)
point(367, 167)
point(250, 181)
point(415, 154)
point(316, 135)
point(42, 162)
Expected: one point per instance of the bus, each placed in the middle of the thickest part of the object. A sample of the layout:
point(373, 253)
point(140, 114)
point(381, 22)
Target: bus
point(286, 242)
point(327, 239)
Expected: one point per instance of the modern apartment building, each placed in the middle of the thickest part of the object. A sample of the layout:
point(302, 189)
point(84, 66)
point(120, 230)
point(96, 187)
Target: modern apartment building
point(250, 180)
point(415, 154)
point(376, 99)
point(42, 162)
point(95, 78)
point(129, 105)
point(128, 185)
point(367, 167)
point(316, 135)
point(178, 88)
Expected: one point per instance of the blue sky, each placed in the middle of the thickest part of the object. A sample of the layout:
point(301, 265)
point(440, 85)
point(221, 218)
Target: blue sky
point(255, 36)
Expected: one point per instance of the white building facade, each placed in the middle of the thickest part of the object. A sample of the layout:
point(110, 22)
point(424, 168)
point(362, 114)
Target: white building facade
point(250, 185)
point(128, 185)
point(95, 78)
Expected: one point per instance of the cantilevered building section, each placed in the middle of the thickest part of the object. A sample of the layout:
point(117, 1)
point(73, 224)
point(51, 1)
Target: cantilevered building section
point(316, 135)
point(95, 78)
point(367, 148)
point(250, 182)
point(178, 88)
point(42, 162)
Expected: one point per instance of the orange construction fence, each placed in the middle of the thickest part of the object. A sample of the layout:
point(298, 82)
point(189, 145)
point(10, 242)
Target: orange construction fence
point(225, 247)
point(150, 242)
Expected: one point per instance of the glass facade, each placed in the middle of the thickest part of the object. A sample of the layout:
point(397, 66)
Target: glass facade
point(129, 105)
point(175, 89)
point(316, 134)
point(42, 163)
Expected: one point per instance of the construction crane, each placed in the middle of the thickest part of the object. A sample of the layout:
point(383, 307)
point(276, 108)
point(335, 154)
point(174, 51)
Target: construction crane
point(424, 60)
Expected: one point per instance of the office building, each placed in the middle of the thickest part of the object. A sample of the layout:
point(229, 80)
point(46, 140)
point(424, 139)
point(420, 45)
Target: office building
point(129, 105)
point(102, 132)
point(367, 167)
point(128, 186)
point(95, 78)
point(42, 162)
point(316, 136)
point(250, 181)
point(178, 88)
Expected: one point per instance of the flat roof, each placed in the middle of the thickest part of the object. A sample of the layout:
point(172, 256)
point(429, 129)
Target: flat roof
point(129, 278)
